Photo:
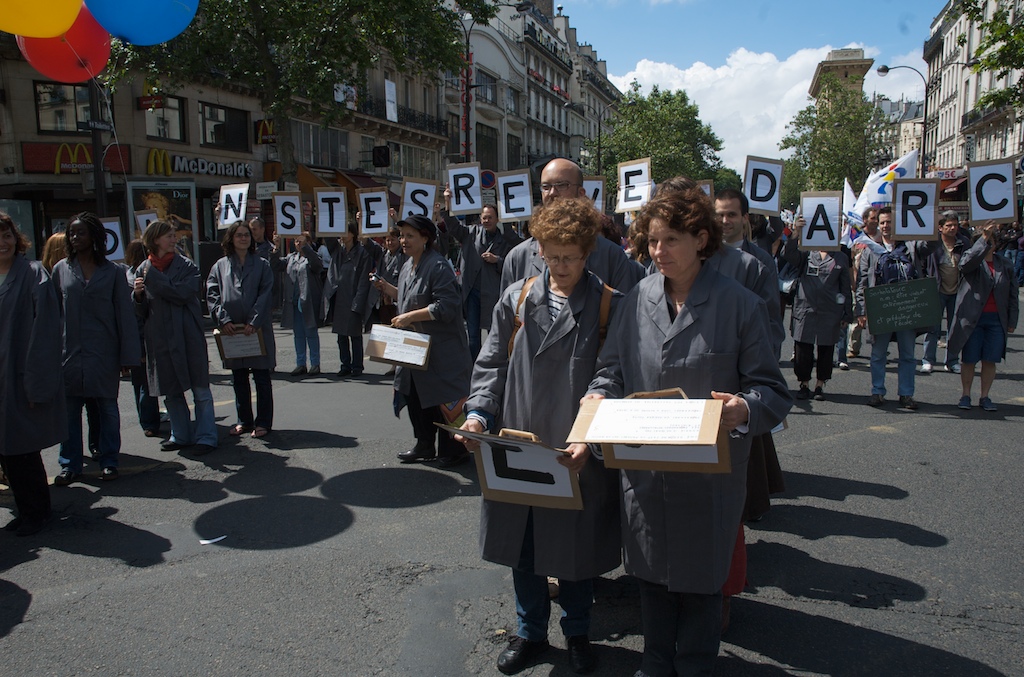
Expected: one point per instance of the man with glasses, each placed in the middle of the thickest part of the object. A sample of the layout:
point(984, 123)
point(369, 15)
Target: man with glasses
point(563, 179)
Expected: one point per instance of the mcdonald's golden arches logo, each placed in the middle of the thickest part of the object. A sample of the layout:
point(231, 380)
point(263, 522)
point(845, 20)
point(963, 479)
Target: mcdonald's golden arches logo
point(158, 162)
point(73, 163)
point(264, 131)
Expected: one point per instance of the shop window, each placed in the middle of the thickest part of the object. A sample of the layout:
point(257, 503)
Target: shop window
point(65, 108)
point(487, 146)
point(223, 127)
point(486, 87)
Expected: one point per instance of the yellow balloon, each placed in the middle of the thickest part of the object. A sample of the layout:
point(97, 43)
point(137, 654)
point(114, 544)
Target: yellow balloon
point(35, 19)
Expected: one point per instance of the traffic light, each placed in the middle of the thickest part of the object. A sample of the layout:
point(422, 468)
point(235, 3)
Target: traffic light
point(381, 156)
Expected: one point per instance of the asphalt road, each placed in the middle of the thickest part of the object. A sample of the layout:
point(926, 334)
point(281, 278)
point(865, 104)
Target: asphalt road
point(895, 550)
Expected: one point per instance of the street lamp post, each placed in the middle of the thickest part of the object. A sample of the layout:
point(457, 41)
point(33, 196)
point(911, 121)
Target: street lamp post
point(467, 90)
point(600, 115)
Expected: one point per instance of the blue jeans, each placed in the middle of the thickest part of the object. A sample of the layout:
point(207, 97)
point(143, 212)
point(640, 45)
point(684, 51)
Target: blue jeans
point(183, 431)
point(905, 340)
point(147, 405)
point(350, 349)
point(839, 354)
point(533, 603)
point(243, 398)
point(472, 313)
point(947, 304)
point(305, 337)
point(109, 421)
point(1018, 268)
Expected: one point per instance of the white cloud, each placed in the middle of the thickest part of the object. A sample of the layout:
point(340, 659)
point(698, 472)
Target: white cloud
point(749, 100)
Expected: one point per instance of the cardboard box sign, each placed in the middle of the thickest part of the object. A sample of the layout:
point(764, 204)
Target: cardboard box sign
point(762, 184)
point(823, 228)
point(635, 185)
point(287, 213)
point(400, 347)
point(239, 346)
point(418, 198)
point(331, 212)
point(514, 195)
point(916, 209)
point(464, 182)
point(373, 204)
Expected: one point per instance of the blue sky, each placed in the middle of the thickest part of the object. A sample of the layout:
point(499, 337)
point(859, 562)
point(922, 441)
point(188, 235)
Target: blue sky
point(748, 63)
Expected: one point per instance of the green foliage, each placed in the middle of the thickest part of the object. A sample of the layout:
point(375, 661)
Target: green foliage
point(665, 127)
point(728, 178)
point(830, 139)
point(292, 53)
point(794, 182)
point(1000, 50)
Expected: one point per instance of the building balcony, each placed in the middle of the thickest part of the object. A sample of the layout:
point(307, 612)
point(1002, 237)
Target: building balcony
point(977, 117)
point(531, 37)
point(424, 122)
point(602, 85)
point(933, 45)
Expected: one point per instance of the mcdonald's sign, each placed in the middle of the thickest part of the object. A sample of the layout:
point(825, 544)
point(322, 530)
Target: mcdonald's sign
point(158, 162)
point(263, 131)
point(72, 159)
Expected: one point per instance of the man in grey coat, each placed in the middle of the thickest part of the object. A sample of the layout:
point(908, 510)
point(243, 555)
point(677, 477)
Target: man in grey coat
point(563, 178)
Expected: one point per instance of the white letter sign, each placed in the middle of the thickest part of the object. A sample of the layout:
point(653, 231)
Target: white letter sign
point(515, 195)
point(991, 191)
point(762, 184)
point(373, 203)
point(634, 185)
point(418, 197)
point(143, 218)
point(287, 213)
point(233, 200)
point(916, 209)
point(594, 186)
point(821, 212)
point(708, 186)
point(331, 212)
point(464, 182)
point(115, 241)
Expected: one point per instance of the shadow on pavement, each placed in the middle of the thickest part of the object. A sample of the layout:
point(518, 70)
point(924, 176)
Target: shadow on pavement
point(404, 487)
point(14, 602)
point(273, 522)
point(837, 488)
point(817, 523)
point(290, 440)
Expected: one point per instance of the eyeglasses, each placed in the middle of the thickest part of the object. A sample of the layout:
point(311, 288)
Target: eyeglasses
point(242, 233)
point(557, 187)
point(562, 260)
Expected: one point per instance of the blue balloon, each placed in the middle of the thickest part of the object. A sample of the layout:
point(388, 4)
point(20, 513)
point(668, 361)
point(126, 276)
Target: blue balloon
point(144, 22)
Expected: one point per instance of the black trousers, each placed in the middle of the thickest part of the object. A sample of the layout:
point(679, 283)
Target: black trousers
point(423, 419)
point(264, 397)
point(803, 359)
point(681, 631)
point(27, 478)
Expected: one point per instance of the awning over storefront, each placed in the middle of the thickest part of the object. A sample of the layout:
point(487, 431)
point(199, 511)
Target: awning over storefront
point(349, 179)
point(952, 186)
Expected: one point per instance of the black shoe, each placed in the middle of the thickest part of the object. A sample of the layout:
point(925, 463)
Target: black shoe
point(345, 371)
point(819, 394)
point(171, 445)
point(202, 449)
point(804, 393)
point(109, 474)
point(452, 461)
point(581, 656)
point(314, 371)
point(298, 371)
point(876, 400)
point(416, 455)
point(520, 654)
point(65, 478)
point(13, 524)
point(27, 527)
point(907, 402)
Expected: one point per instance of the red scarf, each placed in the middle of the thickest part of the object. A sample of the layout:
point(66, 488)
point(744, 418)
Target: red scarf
point(162, 263)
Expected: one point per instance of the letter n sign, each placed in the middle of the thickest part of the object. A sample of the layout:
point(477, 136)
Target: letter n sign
point(233, 201)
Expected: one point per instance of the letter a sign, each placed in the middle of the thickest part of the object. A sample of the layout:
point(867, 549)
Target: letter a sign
point(821, 212)
point(762, 184)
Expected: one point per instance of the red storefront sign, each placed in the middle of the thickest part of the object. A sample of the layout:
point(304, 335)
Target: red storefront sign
point(71, 158)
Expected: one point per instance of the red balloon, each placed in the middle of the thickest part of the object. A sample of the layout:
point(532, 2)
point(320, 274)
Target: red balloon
point(76, 56)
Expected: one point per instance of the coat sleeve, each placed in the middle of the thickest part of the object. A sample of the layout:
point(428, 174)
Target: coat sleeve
point(490, 373)
point(260, 313)
point(445, 297)
point(362, 290)
point(608, 379)
point(864, 263)
point(972, 258)
point(844, 286)
point(793, 255)
point(127, 325)
point(178, 291)
point(331, 285)
point(42, 380)
point(761, 383)
point(315, 264)
point(215, 295)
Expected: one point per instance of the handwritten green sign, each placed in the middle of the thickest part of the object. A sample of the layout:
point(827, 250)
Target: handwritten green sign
point(903, 305)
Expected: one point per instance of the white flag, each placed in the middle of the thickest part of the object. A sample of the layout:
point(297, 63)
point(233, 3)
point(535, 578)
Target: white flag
point(877, 189)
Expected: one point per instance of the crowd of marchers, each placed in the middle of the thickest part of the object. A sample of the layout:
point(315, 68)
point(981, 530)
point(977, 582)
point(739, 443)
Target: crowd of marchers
point(521, 331)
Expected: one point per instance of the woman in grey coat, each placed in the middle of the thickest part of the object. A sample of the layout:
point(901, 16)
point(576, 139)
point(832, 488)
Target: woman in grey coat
point(822, 308)
point(101, 336)
point(688, 327)
point(429, 302)
point(345, 294)
point(32, 406)
point(537, 388)
point(986, 312)
point(167, 299)
point(239, 292)
point(303, 301)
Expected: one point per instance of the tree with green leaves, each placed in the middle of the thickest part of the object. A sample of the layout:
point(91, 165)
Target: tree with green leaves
point(1000, 50)
point(293, 53)
point(664, 126)
point(830, 138)
point(794, 182)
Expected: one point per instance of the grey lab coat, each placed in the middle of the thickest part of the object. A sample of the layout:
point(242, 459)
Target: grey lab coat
point(817, 311)
point(473, 270)
point(243, 294)
point(302, 279)
point(748, 270)
point(348, 288)
point(538, 389)
point(176, 356)
point(679, 528)
point(101, 333)
point(33, 410)
point(608, 261)
point(388, 266)
point(432, 285)
point(976, 283)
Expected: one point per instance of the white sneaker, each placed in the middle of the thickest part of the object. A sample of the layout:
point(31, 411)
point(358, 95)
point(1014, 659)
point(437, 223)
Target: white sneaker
point(926, 368)
point(954, 369)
